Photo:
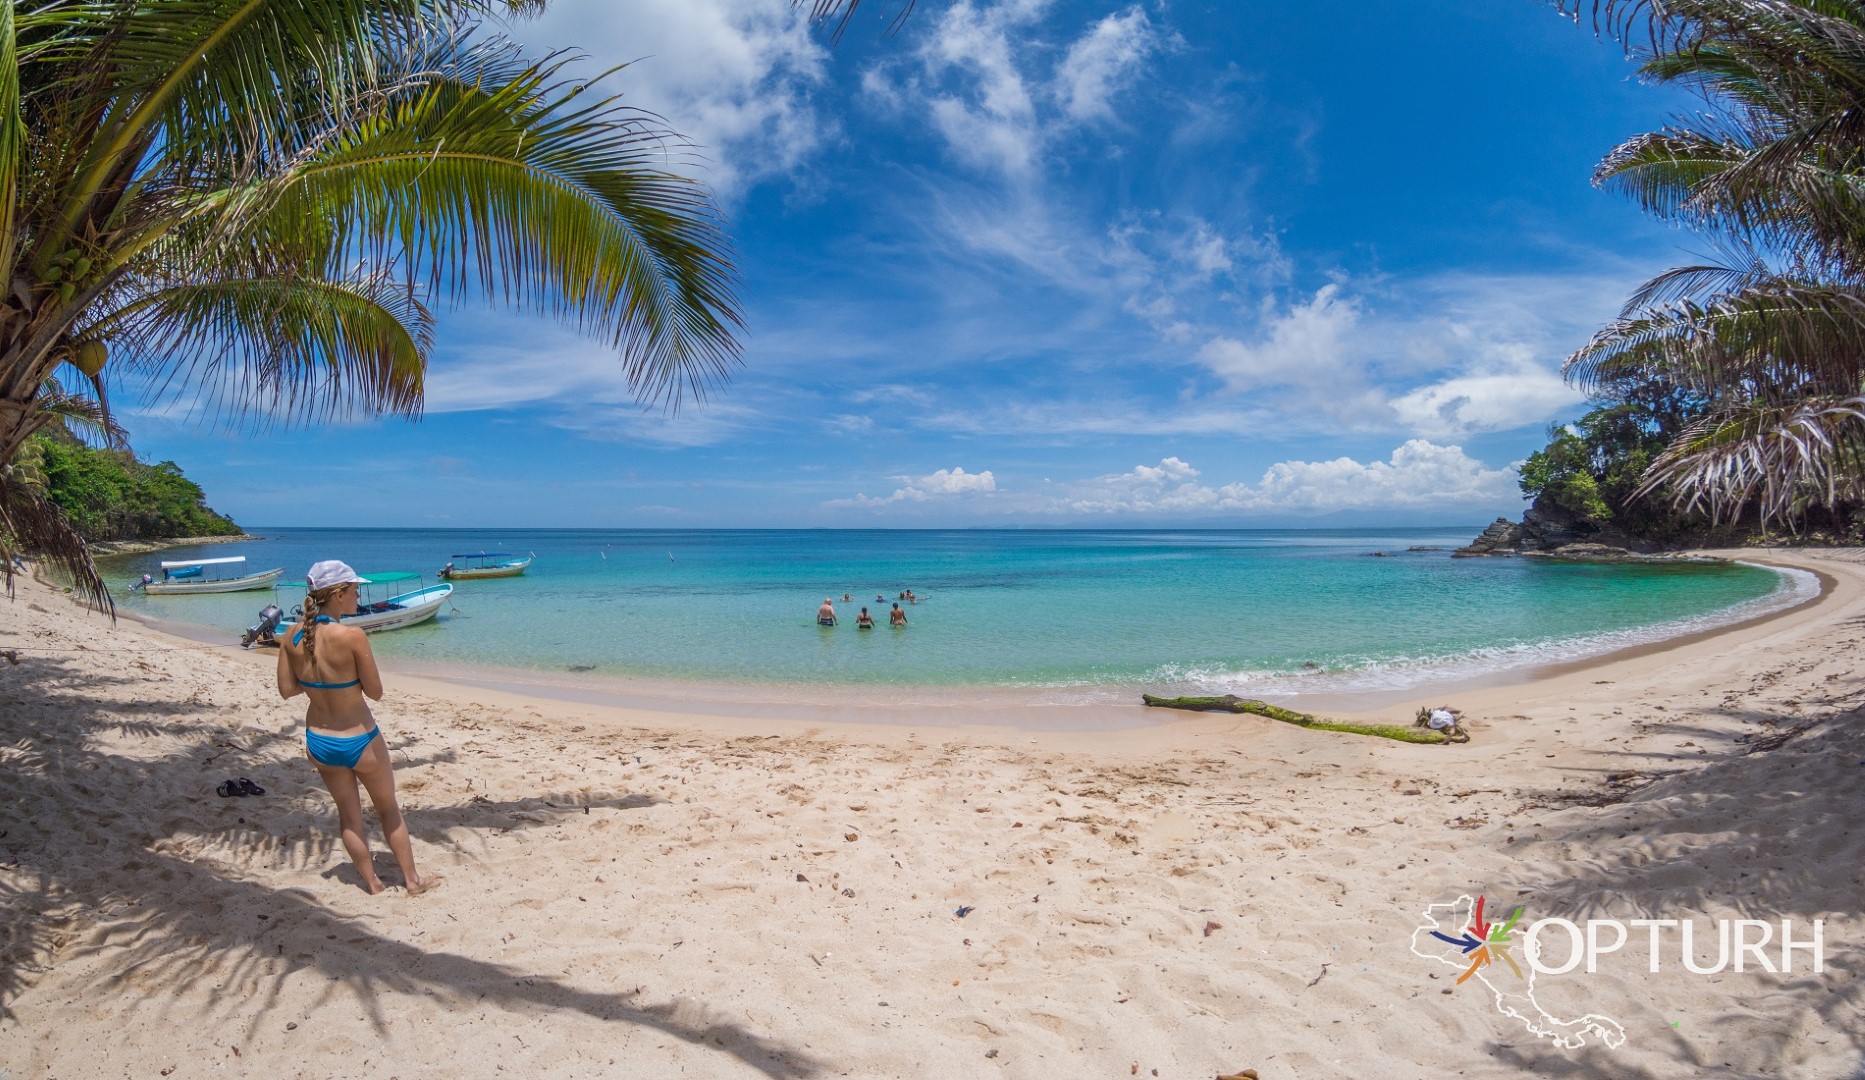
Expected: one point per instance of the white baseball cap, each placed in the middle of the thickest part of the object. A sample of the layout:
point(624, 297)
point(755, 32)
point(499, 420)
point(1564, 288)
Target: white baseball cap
point(332, 572)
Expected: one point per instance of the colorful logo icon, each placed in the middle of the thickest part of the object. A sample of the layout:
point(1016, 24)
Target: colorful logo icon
point(1487, 943)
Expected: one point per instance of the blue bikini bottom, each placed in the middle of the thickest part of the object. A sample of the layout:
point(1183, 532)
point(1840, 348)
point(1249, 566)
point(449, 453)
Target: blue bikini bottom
point(339, 751)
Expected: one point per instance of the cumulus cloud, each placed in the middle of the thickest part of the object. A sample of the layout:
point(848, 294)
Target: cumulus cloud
point(1514, 389)
point(1419, 475)
point(942, 484)
point(737, 77)
point(1307, 345)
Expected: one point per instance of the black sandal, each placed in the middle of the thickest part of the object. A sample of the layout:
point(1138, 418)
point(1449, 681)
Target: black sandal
point(228, 789)
point(247, 787)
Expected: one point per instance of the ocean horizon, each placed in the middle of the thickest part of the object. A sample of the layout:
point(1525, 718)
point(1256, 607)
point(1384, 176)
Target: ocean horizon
point(1076, 615)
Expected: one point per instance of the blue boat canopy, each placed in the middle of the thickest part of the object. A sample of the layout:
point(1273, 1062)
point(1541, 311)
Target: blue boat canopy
point(484, 555)
point(389, 577)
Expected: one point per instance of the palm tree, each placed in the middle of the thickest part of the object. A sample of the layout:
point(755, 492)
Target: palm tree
point(1772, 335)
point(251, 206)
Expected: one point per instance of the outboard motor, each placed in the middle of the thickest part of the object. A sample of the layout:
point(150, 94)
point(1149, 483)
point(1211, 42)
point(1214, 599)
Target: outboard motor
point(262, 632)
point(146, 579)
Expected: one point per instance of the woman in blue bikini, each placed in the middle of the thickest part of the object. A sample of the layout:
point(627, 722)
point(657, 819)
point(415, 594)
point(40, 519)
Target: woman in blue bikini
point(331, 664)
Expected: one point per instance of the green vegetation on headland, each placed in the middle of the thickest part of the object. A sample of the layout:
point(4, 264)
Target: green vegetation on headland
point(109, 495)
point(1588, 487)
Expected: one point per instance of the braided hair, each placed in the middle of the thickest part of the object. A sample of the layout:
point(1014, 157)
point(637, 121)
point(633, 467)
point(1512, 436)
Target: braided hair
point(313, 606)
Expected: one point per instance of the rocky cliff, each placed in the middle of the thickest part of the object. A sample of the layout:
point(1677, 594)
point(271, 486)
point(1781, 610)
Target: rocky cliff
point(1544, 529)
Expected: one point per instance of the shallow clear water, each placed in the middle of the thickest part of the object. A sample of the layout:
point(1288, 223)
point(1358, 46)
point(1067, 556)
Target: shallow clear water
point(1198, 609)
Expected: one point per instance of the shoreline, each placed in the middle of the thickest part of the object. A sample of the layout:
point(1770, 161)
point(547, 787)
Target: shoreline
point(110, 549)
point(1081, 707)
point(691, 892)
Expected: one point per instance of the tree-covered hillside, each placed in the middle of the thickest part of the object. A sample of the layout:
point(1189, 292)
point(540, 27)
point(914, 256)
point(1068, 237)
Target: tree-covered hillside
point(109, 495)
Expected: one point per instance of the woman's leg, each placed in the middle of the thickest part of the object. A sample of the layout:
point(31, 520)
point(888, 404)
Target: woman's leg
point(378, 775)
point(343, 790)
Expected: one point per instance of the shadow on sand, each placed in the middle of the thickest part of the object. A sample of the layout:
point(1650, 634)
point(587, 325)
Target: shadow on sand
point(155, 913)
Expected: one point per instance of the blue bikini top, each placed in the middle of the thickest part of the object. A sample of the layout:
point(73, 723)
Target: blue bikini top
point(307, 684)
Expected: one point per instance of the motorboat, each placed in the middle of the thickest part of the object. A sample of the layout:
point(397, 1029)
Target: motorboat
point(404, 605)
point(185, 576)
point(485, 564)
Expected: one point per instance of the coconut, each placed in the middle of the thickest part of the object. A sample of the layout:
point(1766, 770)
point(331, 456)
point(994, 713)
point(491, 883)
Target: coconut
point(90, 356)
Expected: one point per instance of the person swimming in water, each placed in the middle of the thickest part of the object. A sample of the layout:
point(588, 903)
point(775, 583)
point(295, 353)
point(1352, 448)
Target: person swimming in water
point(864, 621)
point(825, 615)
point(332, 665)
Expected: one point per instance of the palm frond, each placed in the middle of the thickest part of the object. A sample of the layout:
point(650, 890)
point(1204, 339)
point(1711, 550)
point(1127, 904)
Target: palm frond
point(31, 524)
point(840, 12)
point(1766, 456)
point(277, 347)
point(1770, 341)
point(521, 187)
point(87, 418)
point(12, 139)
point(215, 66)
point(1700, 284)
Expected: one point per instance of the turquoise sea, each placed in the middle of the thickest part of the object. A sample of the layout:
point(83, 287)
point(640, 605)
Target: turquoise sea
point(1259, 611)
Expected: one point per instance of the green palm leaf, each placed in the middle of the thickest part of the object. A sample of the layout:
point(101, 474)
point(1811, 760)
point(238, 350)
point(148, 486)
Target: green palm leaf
point(278, 348)
point(255, 204)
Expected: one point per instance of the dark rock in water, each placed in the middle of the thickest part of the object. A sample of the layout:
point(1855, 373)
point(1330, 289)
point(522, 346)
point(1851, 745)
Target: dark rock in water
point(1501, 538)
point(1310, 665)
point(1424, 547)
point(582, 667)
point(1379, 555)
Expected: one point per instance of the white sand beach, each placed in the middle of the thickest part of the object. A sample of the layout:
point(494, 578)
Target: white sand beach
point(651, 894)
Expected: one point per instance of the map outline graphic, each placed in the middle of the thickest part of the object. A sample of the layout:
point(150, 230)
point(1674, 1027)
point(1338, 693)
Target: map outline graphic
point(1465, 942)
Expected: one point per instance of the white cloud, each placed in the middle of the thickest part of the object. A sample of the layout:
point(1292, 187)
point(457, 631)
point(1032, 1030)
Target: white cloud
point(1306, 346)
point(991, 123)
point(1206, 251)
point(735, 76)
point(1103, 62)
point(944, 483)
point(996, 110)
point(1419, 475)
point(1513, 391)
point(957, 481)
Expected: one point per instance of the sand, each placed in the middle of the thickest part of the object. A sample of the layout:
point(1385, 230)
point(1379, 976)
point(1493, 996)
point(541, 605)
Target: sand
point(650, 894)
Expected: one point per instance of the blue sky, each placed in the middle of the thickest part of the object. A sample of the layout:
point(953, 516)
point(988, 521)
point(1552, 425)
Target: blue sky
point(1041, 262)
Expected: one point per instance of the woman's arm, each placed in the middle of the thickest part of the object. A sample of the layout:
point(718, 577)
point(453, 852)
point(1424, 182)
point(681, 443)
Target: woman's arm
point(366, 664)
point(287, 679)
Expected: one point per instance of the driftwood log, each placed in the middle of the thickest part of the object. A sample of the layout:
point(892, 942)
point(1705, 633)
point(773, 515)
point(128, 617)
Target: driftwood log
point(1231, 703)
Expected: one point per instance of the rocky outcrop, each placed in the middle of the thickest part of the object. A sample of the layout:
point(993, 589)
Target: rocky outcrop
point(1501, 538)
point(1547, 529)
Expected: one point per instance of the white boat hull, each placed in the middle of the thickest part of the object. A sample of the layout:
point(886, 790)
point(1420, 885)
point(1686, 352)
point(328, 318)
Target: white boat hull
point(507, 570)
point(240, 584)
point(411, 608)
